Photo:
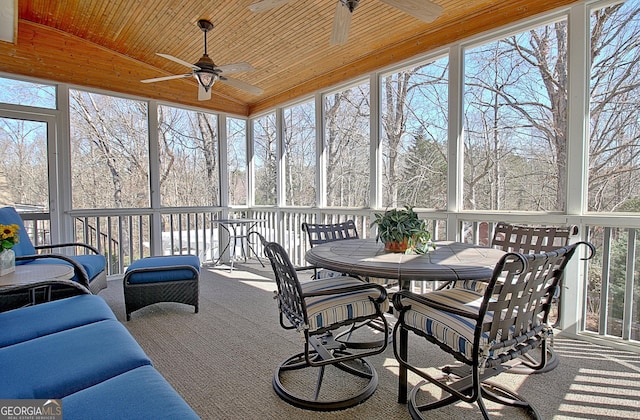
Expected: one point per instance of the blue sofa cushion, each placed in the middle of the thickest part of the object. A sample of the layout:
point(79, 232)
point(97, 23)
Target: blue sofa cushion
point(9, 216)
point(93, 264)
point(56, 365)
point(166, 273)
point(36, 321)
point(141, 393)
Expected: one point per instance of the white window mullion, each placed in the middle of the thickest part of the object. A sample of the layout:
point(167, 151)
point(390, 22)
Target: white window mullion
point(577, 158)
point(321, 154)
point(223, 161)
point(455, 141)
point(375, 149)
point(281, 190)
point(154, 179)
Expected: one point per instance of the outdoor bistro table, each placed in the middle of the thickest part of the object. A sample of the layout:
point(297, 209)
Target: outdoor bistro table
point(366, 257)
point(238, 229)
point(34, 276)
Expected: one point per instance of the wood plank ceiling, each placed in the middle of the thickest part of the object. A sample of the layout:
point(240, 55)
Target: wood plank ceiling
point(112, 44)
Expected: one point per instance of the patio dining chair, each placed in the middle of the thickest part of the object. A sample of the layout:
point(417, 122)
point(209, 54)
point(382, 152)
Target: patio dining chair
point(525, 240)
point(487, 333)
point(529, 240)
point(318, 234)
point(88, 264)
point(322, 311)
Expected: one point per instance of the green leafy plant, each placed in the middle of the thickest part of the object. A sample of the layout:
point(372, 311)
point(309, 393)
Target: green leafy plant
point(400, 225)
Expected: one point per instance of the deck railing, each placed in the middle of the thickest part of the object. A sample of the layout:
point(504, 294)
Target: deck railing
point(610, 305)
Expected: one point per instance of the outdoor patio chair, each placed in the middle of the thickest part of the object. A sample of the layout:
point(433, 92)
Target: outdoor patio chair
point(89, 267)
point(322, 311)
point(528, 240)
point(488, 333)
point(318, 234)
point(525, 240)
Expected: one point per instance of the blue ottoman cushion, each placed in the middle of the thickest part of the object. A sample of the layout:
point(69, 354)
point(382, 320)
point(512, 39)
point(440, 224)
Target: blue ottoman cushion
point(52, 317)
point(141, 393)
point(162, 269)
point(56, 365)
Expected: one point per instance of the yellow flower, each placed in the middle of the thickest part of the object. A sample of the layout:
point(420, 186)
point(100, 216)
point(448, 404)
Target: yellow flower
point(8, 236)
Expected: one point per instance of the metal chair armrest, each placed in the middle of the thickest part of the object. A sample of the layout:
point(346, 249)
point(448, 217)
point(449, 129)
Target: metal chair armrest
point(69, 244)
point(81, 274)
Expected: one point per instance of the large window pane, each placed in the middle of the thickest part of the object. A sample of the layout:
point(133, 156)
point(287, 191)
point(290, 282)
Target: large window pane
point(300, 154)
point(414, 136)
point(18, 92)
point(346, 115)
point(515, 119)
point(237, 160)
point(24, 170)
point(614, 144)
point(265, 159)
point(188, 143)
point(109, 151)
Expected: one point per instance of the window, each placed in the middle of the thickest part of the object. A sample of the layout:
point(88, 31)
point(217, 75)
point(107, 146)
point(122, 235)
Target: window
point(188, 144)
point(515, 120)
point(265, 159)
point(346, 115)
point(237, 160)
point(24, 171)
point(18, 92)
point(614, 142)
point(414, 106)
point(300, 154)
point(109, 151)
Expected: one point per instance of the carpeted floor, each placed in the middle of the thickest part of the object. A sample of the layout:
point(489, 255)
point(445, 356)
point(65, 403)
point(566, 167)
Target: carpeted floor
point(222, 359)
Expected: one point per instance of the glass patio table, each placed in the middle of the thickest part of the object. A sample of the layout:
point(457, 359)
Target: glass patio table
point(366, 257)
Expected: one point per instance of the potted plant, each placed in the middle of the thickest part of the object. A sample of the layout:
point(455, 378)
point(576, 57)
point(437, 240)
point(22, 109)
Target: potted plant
point(401, 230)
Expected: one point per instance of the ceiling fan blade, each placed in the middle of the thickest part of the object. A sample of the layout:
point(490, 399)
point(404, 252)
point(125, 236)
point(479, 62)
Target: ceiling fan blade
point(160, 79)
point(420, 9)
point(239, 84)
point(236, 67)
point(177, 60)
point(264, 5)
point(341, 24)
point(203, 94)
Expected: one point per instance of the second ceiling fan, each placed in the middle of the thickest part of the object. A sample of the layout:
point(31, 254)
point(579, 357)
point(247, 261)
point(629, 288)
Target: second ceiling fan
point(424, 10)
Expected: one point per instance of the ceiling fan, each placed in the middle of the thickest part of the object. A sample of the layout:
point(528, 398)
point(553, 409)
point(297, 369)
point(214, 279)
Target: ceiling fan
point(421, 9)
point(207, 72)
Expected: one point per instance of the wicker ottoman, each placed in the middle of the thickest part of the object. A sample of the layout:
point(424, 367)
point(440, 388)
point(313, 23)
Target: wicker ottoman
point(161, 279)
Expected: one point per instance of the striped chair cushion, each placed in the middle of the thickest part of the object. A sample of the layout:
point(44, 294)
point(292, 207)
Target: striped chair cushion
point(326, 274)
point(478, 286)
point(324, 311)
point(453, 330)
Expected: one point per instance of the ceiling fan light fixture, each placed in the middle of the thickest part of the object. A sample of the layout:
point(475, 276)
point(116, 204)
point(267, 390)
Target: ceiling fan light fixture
point(206, 78)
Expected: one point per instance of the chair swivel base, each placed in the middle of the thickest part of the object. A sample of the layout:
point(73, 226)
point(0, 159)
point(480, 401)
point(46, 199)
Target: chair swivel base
point(351, 340)
point(312, 398)
point(552, 362)
point(490, 391)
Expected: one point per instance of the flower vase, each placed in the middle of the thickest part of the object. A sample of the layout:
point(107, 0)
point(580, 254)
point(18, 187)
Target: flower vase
point(7, 262)
point(397, 246)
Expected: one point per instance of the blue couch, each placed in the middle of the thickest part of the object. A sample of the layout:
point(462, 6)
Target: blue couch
point(75, 350)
